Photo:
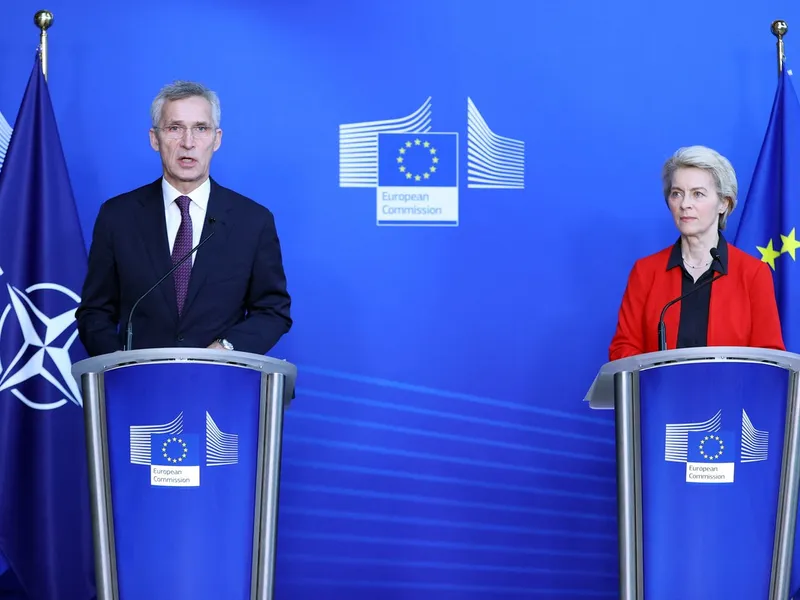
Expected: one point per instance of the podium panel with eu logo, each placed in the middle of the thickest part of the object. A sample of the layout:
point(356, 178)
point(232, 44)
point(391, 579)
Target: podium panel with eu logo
point(184, 449)
point(708, 465)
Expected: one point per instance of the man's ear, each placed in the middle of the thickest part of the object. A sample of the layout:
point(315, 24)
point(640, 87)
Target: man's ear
point(154, 143)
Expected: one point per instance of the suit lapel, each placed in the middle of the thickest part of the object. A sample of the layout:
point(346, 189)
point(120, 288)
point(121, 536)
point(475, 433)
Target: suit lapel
point(218, 209)
point(152, 226)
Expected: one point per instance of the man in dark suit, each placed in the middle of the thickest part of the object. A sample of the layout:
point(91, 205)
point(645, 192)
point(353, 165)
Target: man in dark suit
point(230, 294)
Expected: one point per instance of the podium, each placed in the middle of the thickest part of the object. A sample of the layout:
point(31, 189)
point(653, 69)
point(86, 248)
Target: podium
point(708, 464)
point(184, 449)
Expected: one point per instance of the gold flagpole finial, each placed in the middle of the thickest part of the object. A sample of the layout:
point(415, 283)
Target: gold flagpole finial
point(43, 20)
point(779, 29)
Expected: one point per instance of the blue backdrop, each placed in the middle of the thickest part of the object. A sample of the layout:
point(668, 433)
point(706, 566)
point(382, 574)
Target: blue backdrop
point(438, 446)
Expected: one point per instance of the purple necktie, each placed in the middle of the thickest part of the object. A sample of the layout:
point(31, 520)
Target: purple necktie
point(181, 247)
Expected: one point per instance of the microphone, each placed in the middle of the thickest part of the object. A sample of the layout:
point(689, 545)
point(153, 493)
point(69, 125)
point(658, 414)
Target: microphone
point(662, 329)
point(714, 253)
point(129, 342)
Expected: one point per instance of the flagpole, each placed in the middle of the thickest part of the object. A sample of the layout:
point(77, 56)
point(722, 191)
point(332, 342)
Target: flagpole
point(779, 29)
point(43, 20)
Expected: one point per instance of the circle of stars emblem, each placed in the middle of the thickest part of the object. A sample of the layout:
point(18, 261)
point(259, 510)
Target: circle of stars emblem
point(711, 455)
point(403, 154)
point(181, 448)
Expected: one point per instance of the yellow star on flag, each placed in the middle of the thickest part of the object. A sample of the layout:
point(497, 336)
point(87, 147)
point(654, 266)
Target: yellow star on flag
point(769, 254)
point(790, 244)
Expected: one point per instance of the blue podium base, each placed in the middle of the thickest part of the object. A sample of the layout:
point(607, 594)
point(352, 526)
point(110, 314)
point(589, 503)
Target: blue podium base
point(711, 449)
point(182, 448)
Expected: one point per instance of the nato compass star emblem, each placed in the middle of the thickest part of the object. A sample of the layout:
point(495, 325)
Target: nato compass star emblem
point(40, 346)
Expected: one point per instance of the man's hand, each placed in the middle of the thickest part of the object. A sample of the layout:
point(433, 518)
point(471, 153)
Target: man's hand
point(216, 346)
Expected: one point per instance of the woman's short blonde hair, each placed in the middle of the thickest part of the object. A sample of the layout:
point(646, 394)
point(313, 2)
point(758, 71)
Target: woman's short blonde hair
point(709, 160)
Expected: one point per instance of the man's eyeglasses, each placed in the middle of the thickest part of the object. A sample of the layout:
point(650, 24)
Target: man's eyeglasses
point(178, 132)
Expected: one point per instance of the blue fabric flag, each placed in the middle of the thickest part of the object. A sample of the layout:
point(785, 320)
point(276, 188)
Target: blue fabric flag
point(770, 223)
point(5, 137)
point(45, 527)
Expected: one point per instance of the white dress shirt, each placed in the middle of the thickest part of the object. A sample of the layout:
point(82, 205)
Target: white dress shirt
point(197, 211)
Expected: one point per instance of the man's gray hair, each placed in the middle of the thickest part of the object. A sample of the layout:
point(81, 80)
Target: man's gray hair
point(709, 160)
point(179, 90)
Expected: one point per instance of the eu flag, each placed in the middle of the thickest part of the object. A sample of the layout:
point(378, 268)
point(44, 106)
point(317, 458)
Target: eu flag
point(175, 450)
point(45, 528)
point(418, 159)
point(711, 447)
point(770, 222)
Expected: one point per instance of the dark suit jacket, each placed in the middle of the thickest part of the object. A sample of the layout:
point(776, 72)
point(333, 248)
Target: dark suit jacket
point(237, 289)
point(742, 312)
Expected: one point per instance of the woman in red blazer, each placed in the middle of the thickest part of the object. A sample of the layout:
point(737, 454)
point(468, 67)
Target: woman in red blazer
point(738, 309)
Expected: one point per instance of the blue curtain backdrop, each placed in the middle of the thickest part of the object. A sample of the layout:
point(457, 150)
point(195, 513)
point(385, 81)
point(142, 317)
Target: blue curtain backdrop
point(438, 446)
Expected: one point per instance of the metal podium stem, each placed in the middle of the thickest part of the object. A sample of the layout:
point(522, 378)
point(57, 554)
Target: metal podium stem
point(626, 437)
point(637, 484)
point(787, 503)
point(270, 430)
point(100, 494)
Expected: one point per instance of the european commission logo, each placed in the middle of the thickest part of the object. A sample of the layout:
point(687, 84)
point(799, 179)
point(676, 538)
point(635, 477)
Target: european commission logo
point(710, 453)
point(174, 456)
point(415, 171)
point(5, 138)
point(418, 178)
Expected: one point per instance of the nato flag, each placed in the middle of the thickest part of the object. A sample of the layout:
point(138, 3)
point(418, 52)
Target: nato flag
point(45, 527)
